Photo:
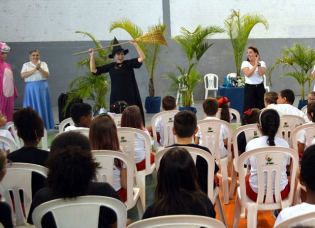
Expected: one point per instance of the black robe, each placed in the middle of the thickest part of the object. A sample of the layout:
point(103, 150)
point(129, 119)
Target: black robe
point(123, 82)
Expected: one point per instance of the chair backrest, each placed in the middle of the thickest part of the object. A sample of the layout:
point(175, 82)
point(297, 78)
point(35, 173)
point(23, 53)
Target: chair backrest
point(233, 75)
point(269, 162)
point(19, 177)
point(234, 112)
point(82, 211)
point(309, 130)
point(84, 131)
point(64, 123)
point(10, 127)
point(210, 133)
point(194, 152)
point(304, 108)
point(183, 221)
point(126, 137)
point(10, 142)
point(304, 220)
point(117, 119)
point(167, 120)
point(287, 125)
point(44, 140)
point(105, 160)
point(265, 84)
point(211, 81)
point(250, 130)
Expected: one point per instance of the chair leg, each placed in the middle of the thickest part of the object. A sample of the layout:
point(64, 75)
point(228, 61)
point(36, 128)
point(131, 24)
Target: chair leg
point(141, 185)
point(140, 208)
point(297, 195)
point(206, 94)
point(215, 93)
point(233, 182)
point(237, 212)
point(220, 209)
point(225, 182)
point(252, 215)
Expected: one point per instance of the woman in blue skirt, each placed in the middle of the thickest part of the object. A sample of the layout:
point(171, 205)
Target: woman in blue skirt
point(36, 95)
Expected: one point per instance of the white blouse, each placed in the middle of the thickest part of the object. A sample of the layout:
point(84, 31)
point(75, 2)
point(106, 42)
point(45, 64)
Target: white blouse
point(255, 79)
point(37, 76)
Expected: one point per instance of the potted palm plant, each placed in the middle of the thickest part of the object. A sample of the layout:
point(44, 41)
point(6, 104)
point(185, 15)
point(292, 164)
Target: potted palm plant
point(89, 86)
point(151, 51)
point(301, 61)
point(238, 28)
point(193, 46)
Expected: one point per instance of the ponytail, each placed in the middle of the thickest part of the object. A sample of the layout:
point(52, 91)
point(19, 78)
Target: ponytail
point(223, 103)
point(269, 121)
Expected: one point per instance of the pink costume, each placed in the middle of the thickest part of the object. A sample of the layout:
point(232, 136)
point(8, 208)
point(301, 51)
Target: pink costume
point(7, 87)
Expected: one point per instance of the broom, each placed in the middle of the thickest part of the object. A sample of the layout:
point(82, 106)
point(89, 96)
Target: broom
point(154, 37)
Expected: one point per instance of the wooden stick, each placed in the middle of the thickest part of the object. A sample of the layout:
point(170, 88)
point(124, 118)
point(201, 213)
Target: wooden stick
point(79, 53)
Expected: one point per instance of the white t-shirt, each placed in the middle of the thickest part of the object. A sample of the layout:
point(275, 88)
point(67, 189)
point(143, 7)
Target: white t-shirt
point(160, 130)
point(223, 135)
point(70, 128)
point(117, 177)
point(140, 147)
point(288, 109)
point(37, 76)
point(262, 142)
point(301, 136)
point(255, 79)
point(293, 211)
point(7, 134)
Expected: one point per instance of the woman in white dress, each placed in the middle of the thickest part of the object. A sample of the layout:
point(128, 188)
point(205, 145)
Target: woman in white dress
point(36, 94)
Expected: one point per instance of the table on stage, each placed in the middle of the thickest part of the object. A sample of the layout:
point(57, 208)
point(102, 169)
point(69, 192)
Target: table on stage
point(235, 96)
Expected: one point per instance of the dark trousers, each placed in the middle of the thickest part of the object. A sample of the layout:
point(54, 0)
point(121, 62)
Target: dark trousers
point(254, 96)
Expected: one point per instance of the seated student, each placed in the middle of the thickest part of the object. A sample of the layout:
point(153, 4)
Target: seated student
point(81, 114)
point(177, 191)
point(168, 104)
point(268, 125)
point(118, 107)
point(210, 108)
point(310, 99)
point(131, 117)
point(185, 126)
point(71, 171)
point(224, 104)
point(3, 146)
point(301, 137)
point(307, 179)
point(270, 98)
point(249, 117)
point(5, 215)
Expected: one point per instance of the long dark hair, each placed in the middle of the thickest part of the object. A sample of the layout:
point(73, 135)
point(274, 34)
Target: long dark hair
point(223, 103)
point(254, 49)
point(177, 187)
point(269, 121)
point(103, 135)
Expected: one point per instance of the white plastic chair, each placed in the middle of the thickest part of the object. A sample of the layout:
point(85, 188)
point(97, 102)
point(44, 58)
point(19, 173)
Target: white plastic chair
point(211, 83)
point(251, 131)
point(64, 123)
point(233, 75)
point(272, 171)
point(167, 119)
point(234, 112)
point(210, 133)
point(287, 124)
point(126, 136)
point(304, 220)
point(183, 221)
point(265, 84)
point(44, 140)
point(304, 108)
point(80, 212)
point(10, 142)
point(105, 158)
point(117, 119)
point(309, 130)
point(19, 177)
point(10, 127)
point(213, 194)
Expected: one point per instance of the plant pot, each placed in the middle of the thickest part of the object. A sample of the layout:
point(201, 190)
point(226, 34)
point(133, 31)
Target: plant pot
point(302, 104)
point(192, 109)
point(152, 105)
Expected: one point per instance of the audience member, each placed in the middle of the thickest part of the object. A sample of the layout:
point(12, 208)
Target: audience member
point(307, 179)
point(5, 215)
point(270, 98)
point(81, 114)
point(185, 126)
point(103, 136)
point(224, 104)
point(71, 171)
point(268, 125)
point(177, 191)
point(131, 117)
point(3, 132)
point(210, 108)
point(310, 99)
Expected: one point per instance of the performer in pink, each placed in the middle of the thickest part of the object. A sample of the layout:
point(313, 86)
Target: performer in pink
point(7, 87)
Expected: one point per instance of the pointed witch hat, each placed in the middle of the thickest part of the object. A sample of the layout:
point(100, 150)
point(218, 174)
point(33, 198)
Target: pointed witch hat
point(117, 49)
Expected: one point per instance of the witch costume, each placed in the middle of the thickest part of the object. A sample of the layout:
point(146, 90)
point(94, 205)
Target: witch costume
point(8, 90)
point(123, 81)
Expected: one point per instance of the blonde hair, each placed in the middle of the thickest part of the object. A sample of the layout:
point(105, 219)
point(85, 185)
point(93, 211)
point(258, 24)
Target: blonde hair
point(311, 96)
point(271, 97)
